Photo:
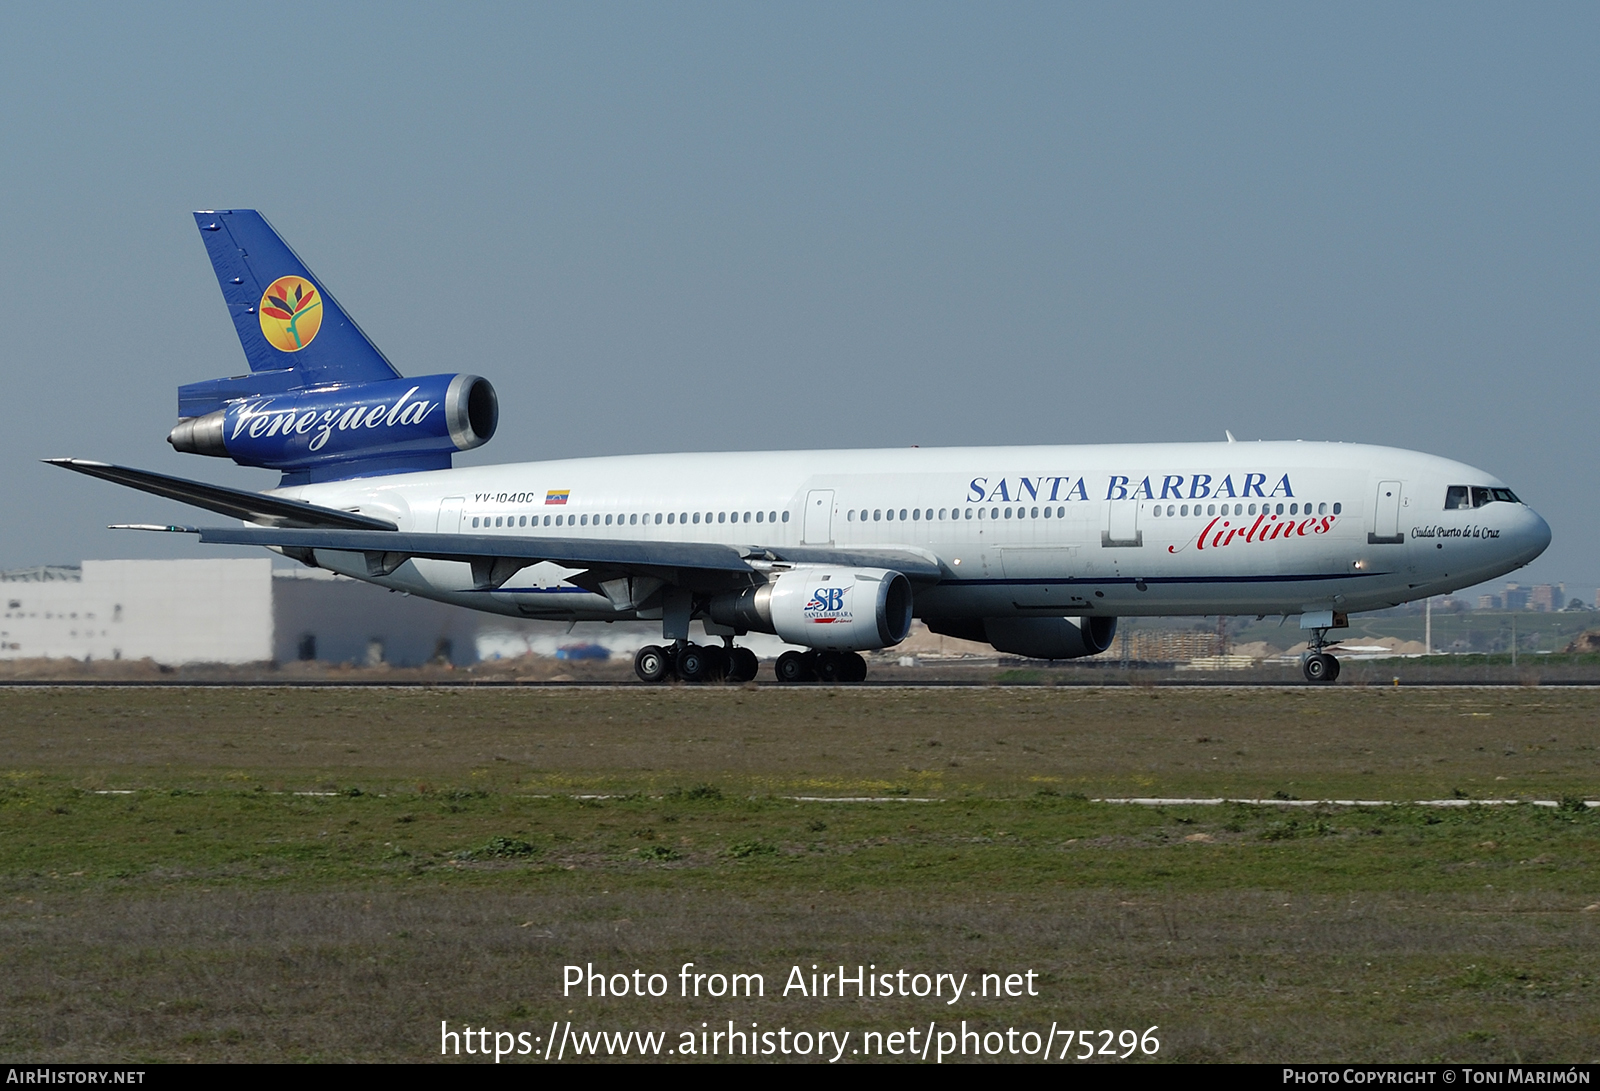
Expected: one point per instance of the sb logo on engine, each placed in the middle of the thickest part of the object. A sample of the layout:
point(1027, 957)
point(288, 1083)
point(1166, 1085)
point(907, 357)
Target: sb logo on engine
point(290, 313)
point(827, 604)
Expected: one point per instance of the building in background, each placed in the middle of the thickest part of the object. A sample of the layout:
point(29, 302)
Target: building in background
point(223, 611)
point(1547, 597)
point(212, 611)
point(318, 615)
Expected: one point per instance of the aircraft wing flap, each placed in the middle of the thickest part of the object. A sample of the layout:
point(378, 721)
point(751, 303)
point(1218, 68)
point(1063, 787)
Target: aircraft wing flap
point(914, 565)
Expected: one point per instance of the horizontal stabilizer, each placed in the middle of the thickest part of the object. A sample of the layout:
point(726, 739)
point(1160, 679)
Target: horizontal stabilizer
point(273, 511)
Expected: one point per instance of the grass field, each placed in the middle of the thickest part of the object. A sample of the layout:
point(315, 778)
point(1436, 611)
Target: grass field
point(168, 893)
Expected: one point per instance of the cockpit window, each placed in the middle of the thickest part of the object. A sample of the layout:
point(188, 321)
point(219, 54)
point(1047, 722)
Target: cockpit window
point(1476, 496)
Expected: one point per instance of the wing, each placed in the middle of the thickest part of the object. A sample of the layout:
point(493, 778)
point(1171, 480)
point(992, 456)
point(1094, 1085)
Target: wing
point(298, 529)
point(496, 558)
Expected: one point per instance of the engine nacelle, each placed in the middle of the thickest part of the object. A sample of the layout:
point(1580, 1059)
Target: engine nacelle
point(821, 606)
point(418, 422)
point(1051, 637)
point(1034, 637)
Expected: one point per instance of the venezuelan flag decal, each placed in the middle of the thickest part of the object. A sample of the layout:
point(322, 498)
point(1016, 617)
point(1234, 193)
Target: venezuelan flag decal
point(557, 496)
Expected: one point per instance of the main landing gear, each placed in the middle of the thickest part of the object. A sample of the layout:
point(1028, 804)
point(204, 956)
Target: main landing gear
point(693, 663)
point(1318, 666)
point(814, 666)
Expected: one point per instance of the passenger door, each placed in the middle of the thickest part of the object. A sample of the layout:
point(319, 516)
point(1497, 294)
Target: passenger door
point(819, 517)
point(1386, 523)
point(450, 515)
point(1122, 524)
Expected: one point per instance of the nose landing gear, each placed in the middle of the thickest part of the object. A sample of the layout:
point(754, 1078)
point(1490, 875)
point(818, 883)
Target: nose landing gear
point(1318, 666)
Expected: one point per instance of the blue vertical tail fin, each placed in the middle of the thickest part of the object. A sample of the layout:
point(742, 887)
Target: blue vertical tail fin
point(294, 333)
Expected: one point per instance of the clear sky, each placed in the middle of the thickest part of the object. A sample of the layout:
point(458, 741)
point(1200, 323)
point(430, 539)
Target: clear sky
point(743, 226)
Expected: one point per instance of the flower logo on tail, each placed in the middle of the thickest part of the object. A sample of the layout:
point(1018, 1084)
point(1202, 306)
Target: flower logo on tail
point(290, 313)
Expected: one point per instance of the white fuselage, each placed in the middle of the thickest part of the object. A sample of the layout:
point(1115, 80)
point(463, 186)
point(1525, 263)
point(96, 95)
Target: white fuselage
point(1117, 530)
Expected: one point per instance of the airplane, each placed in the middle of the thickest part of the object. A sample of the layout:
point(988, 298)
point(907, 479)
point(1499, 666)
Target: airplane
point(1036, 551)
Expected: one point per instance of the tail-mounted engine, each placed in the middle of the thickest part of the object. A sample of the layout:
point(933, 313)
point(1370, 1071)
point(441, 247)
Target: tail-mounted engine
point(415, 423)
point(816, 606)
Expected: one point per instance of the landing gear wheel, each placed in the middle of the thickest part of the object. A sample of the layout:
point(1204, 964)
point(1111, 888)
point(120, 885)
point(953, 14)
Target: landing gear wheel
point(1320, 668)
point(1333, 669)
point(794, 667)
point(692, 663)
point(743, 666)
point(853, 668)
point(716, 662)
point(651, 664)
point(830, 667)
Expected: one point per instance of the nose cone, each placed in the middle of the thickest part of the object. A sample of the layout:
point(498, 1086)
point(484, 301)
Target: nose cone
point(1529, 537)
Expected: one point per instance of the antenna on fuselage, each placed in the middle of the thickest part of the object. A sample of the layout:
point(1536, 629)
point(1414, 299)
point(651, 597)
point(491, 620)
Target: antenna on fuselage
point(1229, 435)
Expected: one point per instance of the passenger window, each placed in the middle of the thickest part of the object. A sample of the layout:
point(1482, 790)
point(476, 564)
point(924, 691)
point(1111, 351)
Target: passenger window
point(916, 513)
point(981, 513)
point(994, 513)
point(889, 515)
point(1157, 511)
point(747, 517)
point(669, 518)
point(877, 515)
point(658, 518)
point(928, 514)
point(942, 513)
point(1183, 509)
point(722, 517)
point(522, 520)
point(902, 514)
point(1047, 512)
point(785, 516)
point(683, 517)
point(1322, 509)
point(1061, 513)
point(1008, 513)
point(758, 516)
point(1337, 507)
point(969, 513)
